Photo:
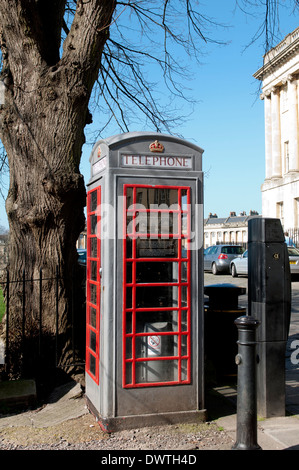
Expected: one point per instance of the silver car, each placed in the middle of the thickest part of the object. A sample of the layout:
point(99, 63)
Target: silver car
point(240, 265)
point(217, 258)
point(294, 259)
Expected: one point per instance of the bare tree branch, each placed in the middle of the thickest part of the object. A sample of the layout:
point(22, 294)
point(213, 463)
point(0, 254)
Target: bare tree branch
point(267, 12)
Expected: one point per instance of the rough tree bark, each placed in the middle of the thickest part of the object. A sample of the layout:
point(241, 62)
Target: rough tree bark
point(42, 129)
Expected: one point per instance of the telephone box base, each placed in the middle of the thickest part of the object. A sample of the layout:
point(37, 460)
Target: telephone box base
point(122, 423)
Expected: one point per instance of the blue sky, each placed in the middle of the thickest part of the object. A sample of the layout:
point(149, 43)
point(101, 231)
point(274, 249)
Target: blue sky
point(228, 117)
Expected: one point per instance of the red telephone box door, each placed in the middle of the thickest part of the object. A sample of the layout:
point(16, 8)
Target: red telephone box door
point(156, 286)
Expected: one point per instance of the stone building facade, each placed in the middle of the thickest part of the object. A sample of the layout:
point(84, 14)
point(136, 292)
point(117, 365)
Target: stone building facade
point(232, 229)
point(280, 89)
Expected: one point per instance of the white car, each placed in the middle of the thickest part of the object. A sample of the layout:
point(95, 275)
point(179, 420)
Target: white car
point(240, 265)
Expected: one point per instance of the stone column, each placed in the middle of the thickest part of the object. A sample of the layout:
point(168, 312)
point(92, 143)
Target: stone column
point(276, 141)
point(268, 134)
point(293, 124)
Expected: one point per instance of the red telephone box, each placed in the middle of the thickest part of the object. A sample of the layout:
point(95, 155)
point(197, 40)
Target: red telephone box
point(144, 343)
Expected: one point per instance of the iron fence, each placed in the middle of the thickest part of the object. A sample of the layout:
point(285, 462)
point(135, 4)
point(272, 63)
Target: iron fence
point(76, 309)
point(293, 233)
point(243, 244)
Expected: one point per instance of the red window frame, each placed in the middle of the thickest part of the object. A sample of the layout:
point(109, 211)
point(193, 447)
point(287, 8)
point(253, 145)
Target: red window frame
point(129, 363)
point(93, 284)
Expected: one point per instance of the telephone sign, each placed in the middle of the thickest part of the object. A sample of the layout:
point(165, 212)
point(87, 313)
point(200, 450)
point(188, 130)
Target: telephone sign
point(157, 161)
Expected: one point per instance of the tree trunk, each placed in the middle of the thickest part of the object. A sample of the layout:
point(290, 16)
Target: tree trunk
point(42, 128)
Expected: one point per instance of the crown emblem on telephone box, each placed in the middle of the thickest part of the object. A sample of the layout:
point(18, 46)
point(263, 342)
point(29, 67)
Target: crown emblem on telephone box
point(156, 147)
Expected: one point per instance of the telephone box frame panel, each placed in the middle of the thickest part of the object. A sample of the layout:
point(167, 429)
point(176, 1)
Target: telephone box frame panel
point(109, 399)
point(93, 283)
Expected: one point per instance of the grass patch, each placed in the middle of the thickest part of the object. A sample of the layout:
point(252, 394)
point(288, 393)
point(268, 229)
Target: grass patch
point(2, 305)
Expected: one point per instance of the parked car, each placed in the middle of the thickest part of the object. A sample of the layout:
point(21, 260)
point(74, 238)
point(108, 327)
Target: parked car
point(240, 265)
point(294, 259)
point(217, 258)
point(82, 256)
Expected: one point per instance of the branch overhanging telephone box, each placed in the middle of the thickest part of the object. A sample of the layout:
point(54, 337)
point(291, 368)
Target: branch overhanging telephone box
point(144, 330)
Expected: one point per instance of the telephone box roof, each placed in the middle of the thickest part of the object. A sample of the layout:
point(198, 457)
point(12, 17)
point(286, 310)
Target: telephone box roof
point(138, 136)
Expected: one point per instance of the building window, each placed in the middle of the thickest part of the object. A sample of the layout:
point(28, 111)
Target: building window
point(279, 212)
point(286, 157)
point(296, 212)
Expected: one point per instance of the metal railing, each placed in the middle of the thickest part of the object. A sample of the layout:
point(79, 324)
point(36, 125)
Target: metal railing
point(293, 233)
point(77, 334)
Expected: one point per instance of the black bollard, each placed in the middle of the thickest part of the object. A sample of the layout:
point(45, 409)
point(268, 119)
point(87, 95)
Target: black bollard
point(246, 398)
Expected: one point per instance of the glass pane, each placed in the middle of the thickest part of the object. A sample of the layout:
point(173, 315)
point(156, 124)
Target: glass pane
point(184, 325)
point(184, 202)
point(128, 373)
point(184, 369)
point(93, 317)
point(154, 321)
point(156, 248)
point(93, 201)
point(154, 345)
point(92, 341)
point(93, 247)
point(130, 226)
point(129, 297)
point(140, 222)
point(183, 345)
point(153, 222)
point(148, 196)
point(129, 273)
point(93, 270)
point(184, 293)
point(157, 296)
point(129, 197)
point(184, 248)
point(156, 371)
point(92, 364)
point(156, 272)
point(93, 224)
point(184, 224)
point(129, 248)
point(168, 223)
point(184, 272)
point(129, 348)
point(93, 294)
point(145, 196)
point(129, 322)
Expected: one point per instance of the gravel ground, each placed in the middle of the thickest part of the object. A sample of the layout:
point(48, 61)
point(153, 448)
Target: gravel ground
point(85, 434)
point(63, 422)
